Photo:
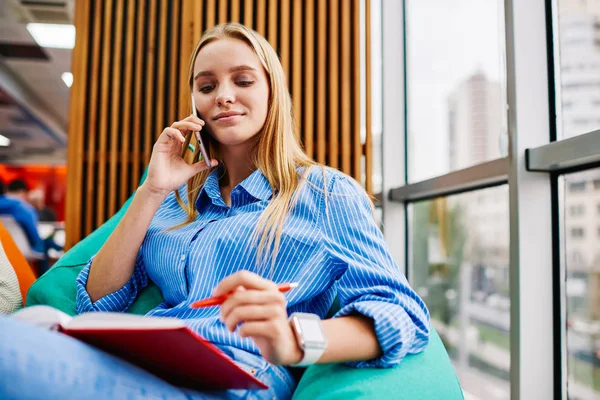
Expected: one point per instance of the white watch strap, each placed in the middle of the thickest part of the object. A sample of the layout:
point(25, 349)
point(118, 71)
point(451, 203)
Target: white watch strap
point(311, 356)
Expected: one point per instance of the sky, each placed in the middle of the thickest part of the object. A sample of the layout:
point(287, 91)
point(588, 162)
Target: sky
point(447, 41)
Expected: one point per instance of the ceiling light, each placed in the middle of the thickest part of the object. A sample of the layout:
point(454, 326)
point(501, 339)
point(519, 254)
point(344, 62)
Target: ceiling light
point(67, 77)
point(58, 36)
point(4, 141)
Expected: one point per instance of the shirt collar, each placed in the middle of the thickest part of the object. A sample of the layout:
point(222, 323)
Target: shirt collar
point(256, 185)
point(211, 187)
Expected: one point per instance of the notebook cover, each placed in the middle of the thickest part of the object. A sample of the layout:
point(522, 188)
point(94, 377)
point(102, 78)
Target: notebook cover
point(177, 355)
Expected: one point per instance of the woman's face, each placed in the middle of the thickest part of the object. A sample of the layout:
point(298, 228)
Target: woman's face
point(231, 90)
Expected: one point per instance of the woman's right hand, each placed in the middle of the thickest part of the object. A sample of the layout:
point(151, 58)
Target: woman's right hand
point(167, 170)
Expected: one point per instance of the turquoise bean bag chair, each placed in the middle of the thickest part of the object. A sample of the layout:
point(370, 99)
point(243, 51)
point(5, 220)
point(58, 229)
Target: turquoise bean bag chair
point(425, 376)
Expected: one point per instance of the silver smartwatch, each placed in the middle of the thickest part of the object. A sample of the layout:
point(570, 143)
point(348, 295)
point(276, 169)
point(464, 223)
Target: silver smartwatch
point(310, 337)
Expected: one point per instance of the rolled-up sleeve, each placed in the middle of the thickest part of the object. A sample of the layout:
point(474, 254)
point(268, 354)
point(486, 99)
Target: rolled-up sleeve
point(370, 281)
point(117, 301)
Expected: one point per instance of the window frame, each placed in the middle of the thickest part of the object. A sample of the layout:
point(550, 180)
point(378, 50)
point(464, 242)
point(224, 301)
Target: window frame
point(532, 170)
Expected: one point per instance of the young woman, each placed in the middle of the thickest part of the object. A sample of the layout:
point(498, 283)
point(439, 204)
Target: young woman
point(263, 214)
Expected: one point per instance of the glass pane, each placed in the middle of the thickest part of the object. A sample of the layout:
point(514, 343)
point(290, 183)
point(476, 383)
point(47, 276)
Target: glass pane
point(459, 265)
point(582, 255)
point(456, 91)
point(579, 66)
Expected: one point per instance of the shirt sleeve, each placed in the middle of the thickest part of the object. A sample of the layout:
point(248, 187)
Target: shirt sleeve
point(28, 222)
point(118, 301)
point(370, 281)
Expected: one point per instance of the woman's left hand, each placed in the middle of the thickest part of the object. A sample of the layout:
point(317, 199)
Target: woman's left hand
point(260, 308)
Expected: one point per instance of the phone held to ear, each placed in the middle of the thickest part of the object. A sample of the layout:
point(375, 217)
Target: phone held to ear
point(199, 137)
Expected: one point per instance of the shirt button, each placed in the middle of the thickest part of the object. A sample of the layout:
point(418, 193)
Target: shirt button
point(182, 257)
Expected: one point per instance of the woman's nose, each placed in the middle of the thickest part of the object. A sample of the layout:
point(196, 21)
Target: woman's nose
point(225, 95)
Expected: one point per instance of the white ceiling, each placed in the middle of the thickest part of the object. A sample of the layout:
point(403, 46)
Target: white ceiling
point(34, 115)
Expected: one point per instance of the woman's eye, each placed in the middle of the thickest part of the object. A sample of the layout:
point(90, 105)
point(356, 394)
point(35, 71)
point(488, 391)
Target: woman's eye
point(206, 89)
point(245, 83)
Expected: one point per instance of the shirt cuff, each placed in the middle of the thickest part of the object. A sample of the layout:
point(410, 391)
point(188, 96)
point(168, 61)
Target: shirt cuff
point(397, 333)
point(118, 301)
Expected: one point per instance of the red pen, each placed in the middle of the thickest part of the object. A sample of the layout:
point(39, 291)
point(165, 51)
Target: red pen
point(217, 300)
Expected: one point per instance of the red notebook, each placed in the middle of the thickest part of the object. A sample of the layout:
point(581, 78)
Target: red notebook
point(162, 346)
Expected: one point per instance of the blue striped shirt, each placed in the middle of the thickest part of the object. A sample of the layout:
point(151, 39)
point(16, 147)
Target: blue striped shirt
point(330, 244)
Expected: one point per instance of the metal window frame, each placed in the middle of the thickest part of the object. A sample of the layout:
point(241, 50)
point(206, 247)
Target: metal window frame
point(568, 155)
point(393, 141)
point(537, 301)
point(536, 161)
point(531, 258)
point(481, 176)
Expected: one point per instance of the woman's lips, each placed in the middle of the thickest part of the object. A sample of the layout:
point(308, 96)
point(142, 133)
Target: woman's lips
point(230, 119)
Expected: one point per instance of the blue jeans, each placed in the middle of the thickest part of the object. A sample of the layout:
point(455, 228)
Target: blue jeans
point(36, 363)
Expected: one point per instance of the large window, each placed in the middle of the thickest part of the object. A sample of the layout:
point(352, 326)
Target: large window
point(578, 34)
point(496, 206)
point(582, 258)
point(459, 265)
point(456, 91)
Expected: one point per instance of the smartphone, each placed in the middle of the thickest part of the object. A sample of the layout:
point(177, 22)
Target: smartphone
point(199, 137)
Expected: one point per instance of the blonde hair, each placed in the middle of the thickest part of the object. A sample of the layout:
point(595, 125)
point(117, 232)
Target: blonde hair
point(278, 152)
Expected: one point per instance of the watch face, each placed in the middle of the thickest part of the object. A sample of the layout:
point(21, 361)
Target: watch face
point(312, 330)
point(311, 333)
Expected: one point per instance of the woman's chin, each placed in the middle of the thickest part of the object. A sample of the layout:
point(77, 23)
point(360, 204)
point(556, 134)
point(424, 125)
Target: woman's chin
point(232, 139)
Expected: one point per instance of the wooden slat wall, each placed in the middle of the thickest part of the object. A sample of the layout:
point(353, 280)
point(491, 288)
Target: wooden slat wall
point(130, 70)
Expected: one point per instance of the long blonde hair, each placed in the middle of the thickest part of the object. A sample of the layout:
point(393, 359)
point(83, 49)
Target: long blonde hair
point(278, 155)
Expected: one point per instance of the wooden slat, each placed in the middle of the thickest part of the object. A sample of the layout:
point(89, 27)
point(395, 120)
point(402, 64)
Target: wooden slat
point(284, 28)
point(297, 60)
point(356, 143)
point(137, 109)
point(309, 78)
point(321, 80)
point(106, 58)
point(77, 112)
point(150, 81)
point(196, 21)
point(346, 114)
point(249, 13)
point(211, 14)
point(235, 11)
point(124, 157)
point(369, 139)
point(186, 48)
point(90, 177)
point(261, 17)
point(273, 5)
point(175, 61)
point(162, 63)
point(333, 129)
point(116, 109)
point(223, 12)
point(321, 29)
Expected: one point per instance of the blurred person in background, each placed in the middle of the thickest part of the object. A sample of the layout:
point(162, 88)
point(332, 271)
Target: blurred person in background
point(37, 200)
point(13, 203)
point(18, 190)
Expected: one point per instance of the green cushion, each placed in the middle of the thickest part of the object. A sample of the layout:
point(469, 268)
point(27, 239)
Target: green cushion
point(428, 375)
point(57, 288)
point(424, 376)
